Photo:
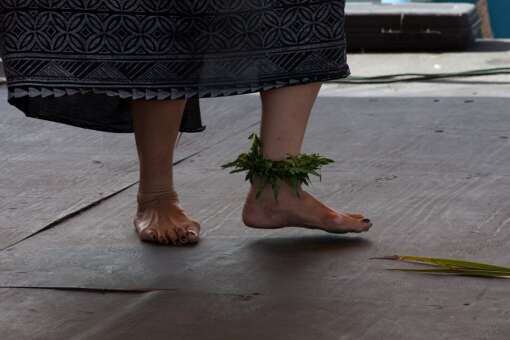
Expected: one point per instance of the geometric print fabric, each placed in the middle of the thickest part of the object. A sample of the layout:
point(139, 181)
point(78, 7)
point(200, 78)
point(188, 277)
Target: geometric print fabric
point(162, 49)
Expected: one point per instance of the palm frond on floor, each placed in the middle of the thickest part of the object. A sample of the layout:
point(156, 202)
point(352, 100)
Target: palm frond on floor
point(449, 266)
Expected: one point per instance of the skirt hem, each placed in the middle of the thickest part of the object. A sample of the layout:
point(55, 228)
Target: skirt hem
point(40, 89)
point(39, 101)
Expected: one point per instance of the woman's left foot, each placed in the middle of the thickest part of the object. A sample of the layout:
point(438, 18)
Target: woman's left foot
point(161, 219)
point(291, 211)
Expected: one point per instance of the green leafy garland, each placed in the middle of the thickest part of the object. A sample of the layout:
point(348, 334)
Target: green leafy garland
point(294, 169)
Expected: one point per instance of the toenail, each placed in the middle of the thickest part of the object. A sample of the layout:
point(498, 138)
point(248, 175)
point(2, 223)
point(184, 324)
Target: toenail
point(366, 220)
point(150, 234)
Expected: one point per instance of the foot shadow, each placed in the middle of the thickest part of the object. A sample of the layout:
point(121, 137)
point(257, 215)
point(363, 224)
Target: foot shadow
point(298, 260)
point(306, 244)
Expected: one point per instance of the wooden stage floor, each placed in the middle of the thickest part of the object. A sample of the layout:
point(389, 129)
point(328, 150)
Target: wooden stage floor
point(428, 163)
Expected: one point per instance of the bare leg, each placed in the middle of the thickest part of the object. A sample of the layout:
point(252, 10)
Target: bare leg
point(159, 217)
point(285, 113)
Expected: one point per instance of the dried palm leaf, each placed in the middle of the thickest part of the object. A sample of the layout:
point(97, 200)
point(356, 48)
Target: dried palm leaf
point(449, 266)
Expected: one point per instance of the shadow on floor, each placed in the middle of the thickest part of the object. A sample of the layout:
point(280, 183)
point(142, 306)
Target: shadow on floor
point(304, 244)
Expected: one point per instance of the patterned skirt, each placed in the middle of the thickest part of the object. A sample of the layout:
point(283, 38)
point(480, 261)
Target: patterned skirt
point(80, 62)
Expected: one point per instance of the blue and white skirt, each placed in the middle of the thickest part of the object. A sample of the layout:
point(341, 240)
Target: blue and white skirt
point(80, 62)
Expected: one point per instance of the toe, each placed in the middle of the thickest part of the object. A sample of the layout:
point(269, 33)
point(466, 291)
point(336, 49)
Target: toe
point(182, 234)
point(172, 236)
point(357, 216)
point(368, 224)
point(192, 235)
point(149, 234)
point(162, 238)
point(355, 225)
point(193, 230)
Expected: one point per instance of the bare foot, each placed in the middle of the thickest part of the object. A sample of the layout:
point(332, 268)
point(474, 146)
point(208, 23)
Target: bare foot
point(161, 219)
point(291, 211)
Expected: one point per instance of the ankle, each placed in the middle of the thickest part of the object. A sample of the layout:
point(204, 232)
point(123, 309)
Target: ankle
point(150, 194)
point(155, 188)
point(155, 184)
point(155, 191)
point(285, 190)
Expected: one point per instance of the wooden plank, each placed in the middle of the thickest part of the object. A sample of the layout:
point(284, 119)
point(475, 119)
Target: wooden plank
point(49, 171)
point(266, 316)
point(398, 156)
point(56, 314)
point(42, 314)
point(428, 193)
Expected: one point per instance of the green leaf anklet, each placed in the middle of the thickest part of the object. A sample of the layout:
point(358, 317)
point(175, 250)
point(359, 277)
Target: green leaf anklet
point(293, 169)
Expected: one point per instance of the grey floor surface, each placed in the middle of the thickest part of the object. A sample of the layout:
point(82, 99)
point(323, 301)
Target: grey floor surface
point(432, 170)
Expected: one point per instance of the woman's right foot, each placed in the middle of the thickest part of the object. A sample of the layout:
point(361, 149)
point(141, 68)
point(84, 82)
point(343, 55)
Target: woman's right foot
point(161, 219)
point(307, 211)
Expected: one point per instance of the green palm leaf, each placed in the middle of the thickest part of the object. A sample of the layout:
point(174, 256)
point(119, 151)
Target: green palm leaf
point(294, 168)
point(465, 272)
point(449, 266)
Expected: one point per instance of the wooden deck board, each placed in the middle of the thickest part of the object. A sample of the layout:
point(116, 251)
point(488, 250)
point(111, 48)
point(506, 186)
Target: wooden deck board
point(428, 193)
point(49, 171)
